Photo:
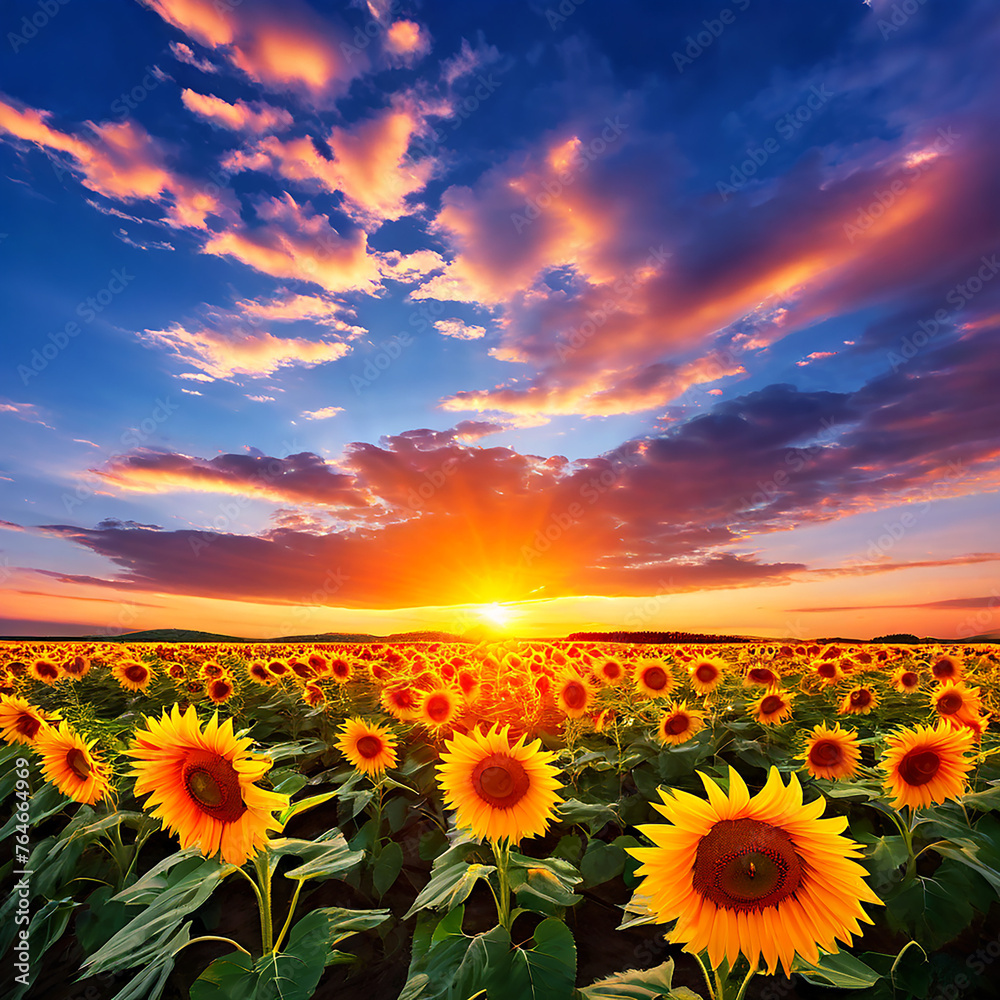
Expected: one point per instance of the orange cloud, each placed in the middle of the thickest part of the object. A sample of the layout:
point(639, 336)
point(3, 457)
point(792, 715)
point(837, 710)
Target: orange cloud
point(370, 166)
point(220, 354)
point(407, 41)
point(257, 117)
point(122, 162)
point(286, 47)
point(297, 243)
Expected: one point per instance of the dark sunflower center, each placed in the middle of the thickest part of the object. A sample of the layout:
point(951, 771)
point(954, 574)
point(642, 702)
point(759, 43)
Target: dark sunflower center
point(214, 785)
point(772, 703)
point(437, 707)
point(706, 673)
point(405, 698)
point(655, 678)
point(861, 698)
point(574, 694)
point(919, 766)
point(944, 668)
point(827, 669)
point(677, 724)
point(76, 761)
point(745, 864)
point(500, 780)
point(46, 669)
point(612, 670)
point(76, 665)
point(28, 725)
point(135, 672)
point(826, 753)
point(761, 675)
point(909, 679)
point(221, 689)
point(950, 703)
point(369, 746)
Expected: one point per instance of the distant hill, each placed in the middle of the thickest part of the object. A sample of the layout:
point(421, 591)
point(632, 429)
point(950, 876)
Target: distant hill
point(659, 638)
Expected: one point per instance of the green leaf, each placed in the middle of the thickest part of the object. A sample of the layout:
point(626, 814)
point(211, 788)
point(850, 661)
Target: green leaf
point(149, 984)
point(143, 939)
point(635, 984)
point(449, 887)
point(986, 800)
point(593, 815)
point(387, 867)
point(323, 929)
point(545, 972)
point(304, 805)
point(840, 969)
point(485, 951)
point(601, 862)
point(327, 857)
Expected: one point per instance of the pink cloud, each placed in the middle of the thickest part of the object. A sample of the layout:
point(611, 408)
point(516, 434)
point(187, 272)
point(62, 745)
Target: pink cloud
point(256, 117)
point(284, 47)
point(459, 330)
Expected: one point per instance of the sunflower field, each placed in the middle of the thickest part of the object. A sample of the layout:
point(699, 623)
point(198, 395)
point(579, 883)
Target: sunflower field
point(510, 820)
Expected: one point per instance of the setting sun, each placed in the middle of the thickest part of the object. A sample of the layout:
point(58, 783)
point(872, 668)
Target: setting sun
point(495, 614)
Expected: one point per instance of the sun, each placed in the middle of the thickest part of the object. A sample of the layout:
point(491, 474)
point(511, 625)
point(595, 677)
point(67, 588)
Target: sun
point(495, 614)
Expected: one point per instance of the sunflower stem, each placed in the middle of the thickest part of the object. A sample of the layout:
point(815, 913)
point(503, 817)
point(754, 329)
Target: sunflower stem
point(708, 978)
point(291, 913)
point(501, 852)
point(262, 864)
point(213, 937)
point(746, 981)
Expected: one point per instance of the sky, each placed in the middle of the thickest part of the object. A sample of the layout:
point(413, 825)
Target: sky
point(546, 316)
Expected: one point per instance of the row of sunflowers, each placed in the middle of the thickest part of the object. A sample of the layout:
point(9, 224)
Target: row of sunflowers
point(574, 821)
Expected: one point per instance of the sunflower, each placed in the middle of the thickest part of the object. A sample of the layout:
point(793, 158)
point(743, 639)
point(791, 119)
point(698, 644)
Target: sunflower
point(278, 668)
point(956, 702)
point(220, 689)
point(679, 723)
point(177, 671)
point(652, 678)
point(438, 707)
point(947, 667)
point(573, 696)
point(706, 673)
point(468, 684)
point(370, 748)
point(76, 667)
point(498, 790)
point(45, 671)
point(858, 701)
point(132, 675)
point(761, 677)
point(829, 672)
point(608, 670)
point(313, 696)
point(259, 674)
point(20, 721)
point(773, 707)
point(201, 784)
point(318, 664)
point(764, 876)
point(401, 700)
point(211, 670)
point(68, 763)
point(905, 680)
point(925, 765)
point(832, 753)
point(341, 670)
